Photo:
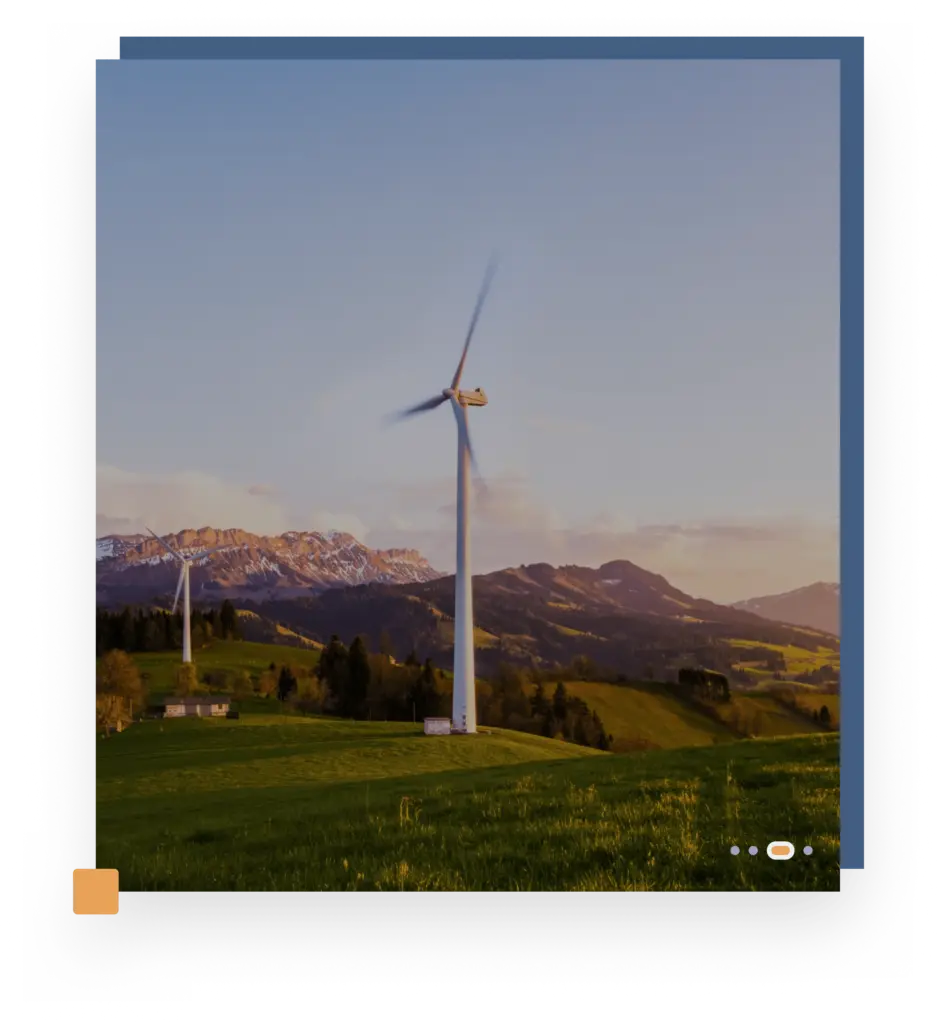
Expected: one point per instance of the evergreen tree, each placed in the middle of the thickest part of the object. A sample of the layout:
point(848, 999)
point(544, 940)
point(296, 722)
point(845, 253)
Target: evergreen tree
point(549, 724)
point(359, 679)
point(596, 732)
point(538, 703)
point(332, 670)
point(825, 718)
point(286, 684)
point(139, 631)
point(100, 625)
point(167, 636)
point(560, 702)
point(153, 632)
point(424, 694)
point(228, 621)
point(124, 638)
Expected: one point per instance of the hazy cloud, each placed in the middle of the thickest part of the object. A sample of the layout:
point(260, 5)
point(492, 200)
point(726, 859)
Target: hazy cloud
point(721, 560)
point(345, 522)
point(117, 524)
point(127, 502)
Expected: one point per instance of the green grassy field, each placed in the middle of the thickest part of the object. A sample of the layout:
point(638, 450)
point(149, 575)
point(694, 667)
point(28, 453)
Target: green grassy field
point(276, 802)
point(797, 659)
point(814, 701)
point(760, 715)
point(648, 715)
point(231, 655)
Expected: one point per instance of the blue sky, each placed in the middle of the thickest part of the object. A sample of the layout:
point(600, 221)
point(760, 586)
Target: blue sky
point(287, 251)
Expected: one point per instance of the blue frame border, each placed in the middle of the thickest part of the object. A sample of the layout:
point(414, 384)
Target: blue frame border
point(849, 51)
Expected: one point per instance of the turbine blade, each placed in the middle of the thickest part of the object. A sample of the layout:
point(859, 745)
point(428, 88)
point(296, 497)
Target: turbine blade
point(208, 551)
point(482, 295)
point(172, 551)
point(471, 450)
point(479, 479)
point(430, 403)
point(178, 589)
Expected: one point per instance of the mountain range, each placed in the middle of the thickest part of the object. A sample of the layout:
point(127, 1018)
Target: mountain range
point(138, 568)
point(815, 606)
point(311, 585)
point(620, 616)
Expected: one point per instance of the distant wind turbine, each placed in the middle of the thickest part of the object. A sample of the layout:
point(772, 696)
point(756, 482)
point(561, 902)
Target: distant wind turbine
point(183, 585)
point(463, 684)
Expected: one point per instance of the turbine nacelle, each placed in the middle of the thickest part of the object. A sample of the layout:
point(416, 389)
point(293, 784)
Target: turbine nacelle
point(476, 397)
point(464, 398)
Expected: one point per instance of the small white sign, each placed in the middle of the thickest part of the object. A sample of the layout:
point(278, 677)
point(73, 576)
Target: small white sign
point(437, 726)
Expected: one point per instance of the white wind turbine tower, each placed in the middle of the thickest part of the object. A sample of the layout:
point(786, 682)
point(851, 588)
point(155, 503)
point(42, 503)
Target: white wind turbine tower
point(463, 683)
point(183, 585)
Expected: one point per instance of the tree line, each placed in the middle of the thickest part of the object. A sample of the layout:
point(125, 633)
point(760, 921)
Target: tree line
point(351, 682)
point(704, 684)
point(156, 630)
point(507, 702)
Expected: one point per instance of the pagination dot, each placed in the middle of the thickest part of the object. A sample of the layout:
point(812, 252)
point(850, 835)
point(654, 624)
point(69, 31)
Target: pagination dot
point(753, 850)
point(734, 850)
point(808, 850)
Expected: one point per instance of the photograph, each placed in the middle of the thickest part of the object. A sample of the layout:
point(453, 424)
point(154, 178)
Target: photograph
point(468, 474)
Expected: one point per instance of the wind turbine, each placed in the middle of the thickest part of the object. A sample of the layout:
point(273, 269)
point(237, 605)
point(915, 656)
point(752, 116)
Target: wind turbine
point(183, 585)
point(463, 683)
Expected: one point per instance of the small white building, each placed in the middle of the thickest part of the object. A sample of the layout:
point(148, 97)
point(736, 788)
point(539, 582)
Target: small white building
point(437, 726)
point(205, 706)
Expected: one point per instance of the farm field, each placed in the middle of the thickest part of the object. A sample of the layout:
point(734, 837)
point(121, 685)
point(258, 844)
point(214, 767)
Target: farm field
point(279, 802)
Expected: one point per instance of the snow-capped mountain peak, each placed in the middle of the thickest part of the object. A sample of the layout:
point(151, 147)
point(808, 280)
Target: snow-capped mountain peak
point(249, 565)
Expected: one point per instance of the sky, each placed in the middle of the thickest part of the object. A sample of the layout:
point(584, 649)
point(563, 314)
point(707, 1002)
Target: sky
point(288, 251)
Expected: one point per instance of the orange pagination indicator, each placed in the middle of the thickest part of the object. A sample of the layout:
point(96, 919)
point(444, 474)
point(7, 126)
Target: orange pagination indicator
point(95, 890)
point(780, 849)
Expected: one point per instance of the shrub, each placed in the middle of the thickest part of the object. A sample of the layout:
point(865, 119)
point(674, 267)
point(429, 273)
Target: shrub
point(186, 680)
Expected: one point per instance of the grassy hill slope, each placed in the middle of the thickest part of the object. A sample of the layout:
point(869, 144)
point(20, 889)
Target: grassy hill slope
point(230, 655)
point(640, 715)
point(647, 716)
point(287, 804)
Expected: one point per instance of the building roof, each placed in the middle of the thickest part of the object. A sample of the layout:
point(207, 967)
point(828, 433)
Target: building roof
point(208, 698)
